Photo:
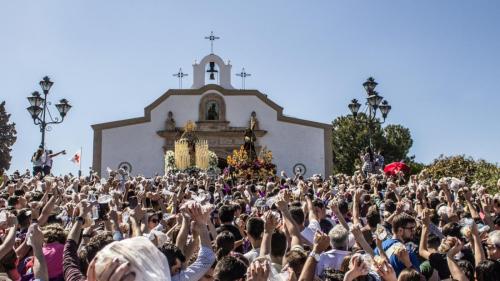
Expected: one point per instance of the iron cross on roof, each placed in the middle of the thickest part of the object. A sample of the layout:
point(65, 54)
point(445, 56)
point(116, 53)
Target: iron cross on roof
point(243, 74)
point(180, 75)
point(212, 38)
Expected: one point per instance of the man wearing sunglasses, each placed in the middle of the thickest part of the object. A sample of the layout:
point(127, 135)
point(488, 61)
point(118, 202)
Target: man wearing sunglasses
point(403, 228)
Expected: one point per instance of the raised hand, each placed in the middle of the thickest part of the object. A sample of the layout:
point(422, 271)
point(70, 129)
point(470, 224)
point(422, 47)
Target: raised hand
point(36, 238)
point(11, 220)
point(196, 213)
point(83, 208)
point(281, 204)
point(270, 222)
point(456, 248)
point(334, 206)
point(358, 194)
point(487, 203)
point(403, 256)
point(386, 271)
point(258, 270)
point(357, 267)
point(115, 269)
point(426, 219)
point(321, 242)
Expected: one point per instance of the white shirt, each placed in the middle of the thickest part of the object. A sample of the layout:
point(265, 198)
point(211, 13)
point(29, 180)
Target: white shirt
point(252, 254)
point(331, 259)
point(309, 232)
point(48, 161)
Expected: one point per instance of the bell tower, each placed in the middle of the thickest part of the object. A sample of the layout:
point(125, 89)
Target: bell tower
point(212, 70)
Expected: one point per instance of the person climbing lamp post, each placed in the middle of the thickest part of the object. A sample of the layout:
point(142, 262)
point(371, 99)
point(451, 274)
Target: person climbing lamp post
point(39, 108)
point(373, 103)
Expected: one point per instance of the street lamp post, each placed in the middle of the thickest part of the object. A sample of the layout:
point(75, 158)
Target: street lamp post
point(39, 110)
point(373, 103)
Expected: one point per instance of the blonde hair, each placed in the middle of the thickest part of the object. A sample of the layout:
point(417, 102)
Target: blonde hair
point(145, 259)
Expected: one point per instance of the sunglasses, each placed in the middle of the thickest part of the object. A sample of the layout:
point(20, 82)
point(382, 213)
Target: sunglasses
point(154, 220)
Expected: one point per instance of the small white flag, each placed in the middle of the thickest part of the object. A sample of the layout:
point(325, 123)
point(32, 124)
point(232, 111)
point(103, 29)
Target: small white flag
point(76, 157)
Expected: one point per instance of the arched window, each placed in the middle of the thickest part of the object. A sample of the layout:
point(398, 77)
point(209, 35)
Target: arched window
point(212, 108)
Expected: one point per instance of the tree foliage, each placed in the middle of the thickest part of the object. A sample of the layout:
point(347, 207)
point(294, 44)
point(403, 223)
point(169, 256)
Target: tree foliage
point(350, 138)
point(7, 138)
point(463, 167)
point(397, 143)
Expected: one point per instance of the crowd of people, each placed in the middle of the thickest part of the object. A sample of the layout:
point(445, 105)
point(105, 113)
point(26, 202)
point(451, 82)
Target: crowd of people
point(199, 227)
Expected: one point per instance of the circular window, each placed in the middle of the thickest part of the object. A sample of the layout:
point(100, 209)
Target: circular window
point(300, 169)
point(125, 166)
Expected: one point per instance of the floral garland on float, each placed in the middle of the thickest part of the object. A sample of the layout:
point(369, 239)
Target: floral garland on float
point(243, 167)
point(170, 167)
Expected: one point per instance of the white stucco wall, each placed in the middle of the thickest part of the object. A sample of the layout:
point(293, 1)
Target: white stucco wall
point(142, 147)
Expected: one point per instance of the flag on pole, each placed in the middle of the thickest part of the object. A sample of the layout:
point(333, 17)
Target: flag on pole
point(76, 157)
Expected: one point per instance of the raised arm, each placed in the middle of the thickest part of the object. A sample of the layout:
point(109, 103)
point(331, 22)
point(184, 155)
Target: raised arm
point(455, 270)
point(422, 249)
point(47, 210)
point(183, 232)
point(58, 153)
point(71, 263)
point(355, 206)
point(310, 210)
point(478, 248)
point(334, 205)
point(270, 225)
point(10, 239)
point(468, 201)
point(290, 224)
point(360, 238)
point(321, 243)
point(487, 205)
point(135, 218)
point(40, 265)
point(449, 199)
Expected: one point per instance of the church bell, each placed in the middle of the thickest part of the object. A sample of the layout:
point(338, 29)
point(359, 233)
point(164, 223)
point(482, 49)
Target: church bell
point(212, 70)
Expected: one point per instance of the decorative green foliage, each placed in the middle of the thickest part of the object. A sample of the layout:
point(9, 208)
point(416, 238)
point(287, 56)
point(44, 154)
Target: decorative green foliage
point(7, 138)
point(461, 166)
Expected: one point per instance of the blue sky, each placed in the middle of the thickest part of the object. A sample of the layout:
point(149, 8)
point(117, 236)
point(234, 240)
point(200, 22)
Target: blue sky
point(437, 63)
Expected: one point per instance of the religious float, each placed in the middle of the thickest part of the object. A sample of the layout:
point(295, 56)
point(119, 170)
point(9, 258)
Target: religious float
point(245, 163)
point(191, 154)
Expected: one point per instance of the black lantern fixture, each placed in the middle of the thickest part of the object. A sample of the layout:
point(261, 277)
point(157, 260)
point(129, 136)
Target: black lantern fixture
point(63, 107)
point(384, 109)
point(370, 85)
point(354, 107)
point(35, 99)
point(39, 110)
point(46, 84)
point(374, 102)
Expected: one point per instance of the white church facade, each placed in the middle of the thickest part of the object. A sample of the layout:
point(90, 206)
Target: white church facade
point(221, 114)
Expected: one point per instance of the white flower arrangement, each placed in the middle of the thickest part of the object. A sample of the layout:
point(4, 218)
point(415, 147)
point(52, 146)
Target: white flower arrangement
point(170, 161)
point(213, 162)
